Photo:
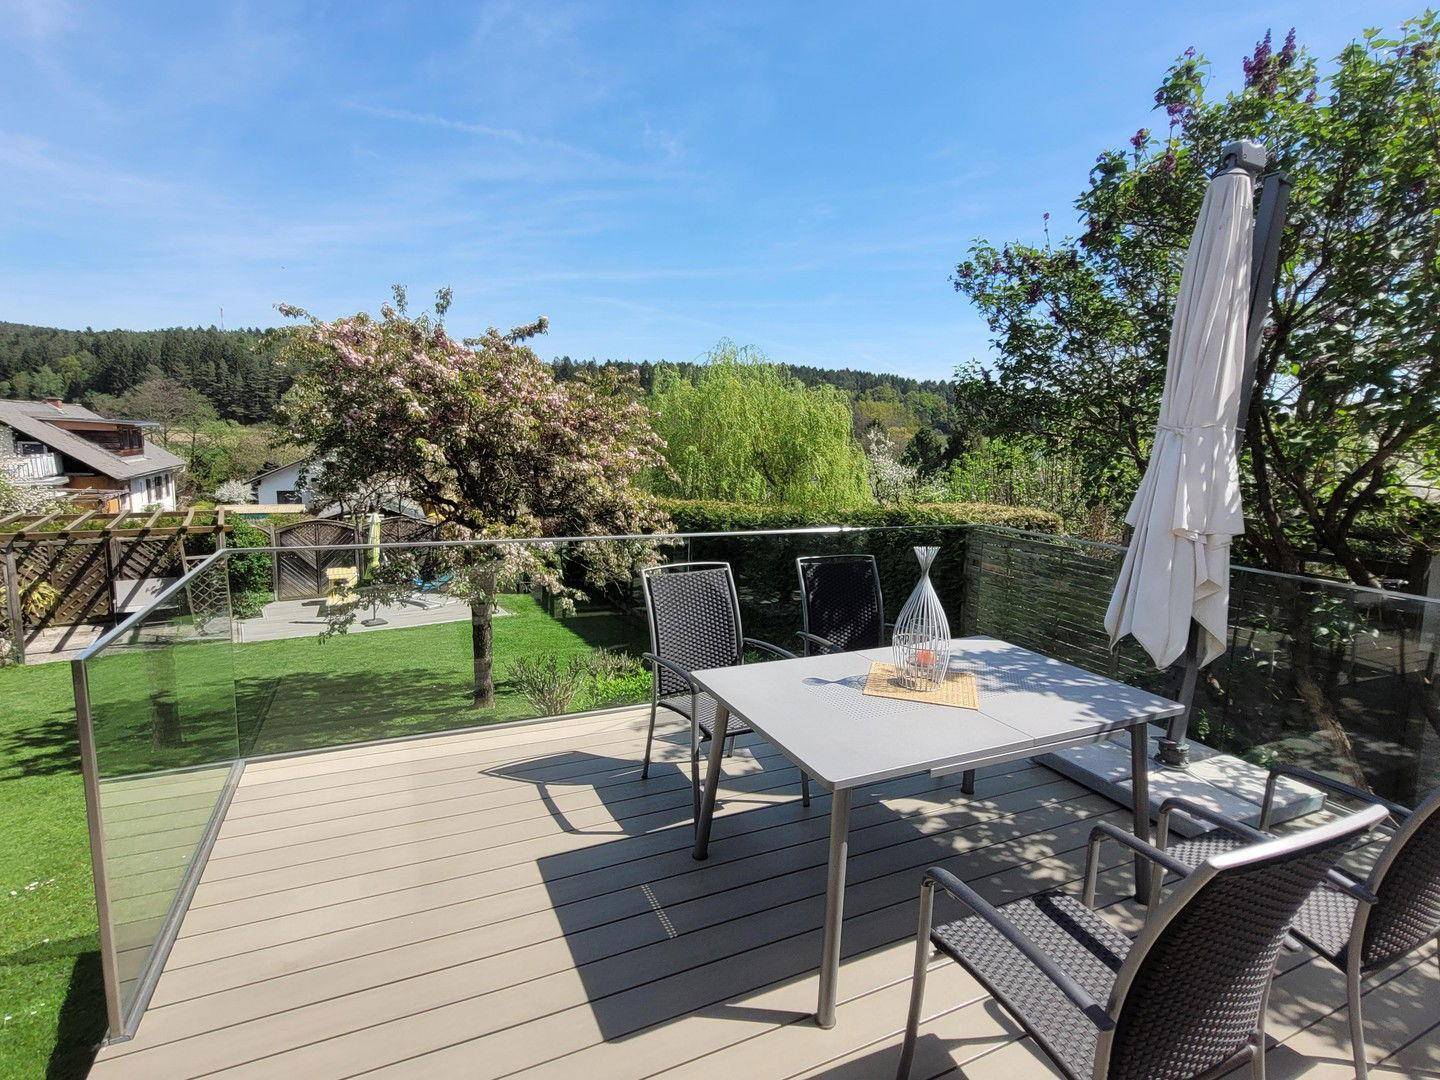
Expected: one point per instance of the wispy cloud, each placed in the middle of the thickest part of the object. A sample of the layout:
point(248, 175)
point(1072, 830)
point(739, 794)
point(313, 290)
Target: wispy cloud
point(37, 20)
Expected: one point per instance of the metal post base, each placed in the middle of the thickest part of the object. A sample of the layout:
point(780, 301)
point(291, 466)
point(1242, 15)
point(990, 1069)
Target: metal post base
point(1173, 754)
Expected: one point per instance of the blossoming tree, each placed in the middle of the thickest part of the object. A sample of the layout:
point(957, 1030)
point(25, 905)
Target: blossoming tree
point(483, 436)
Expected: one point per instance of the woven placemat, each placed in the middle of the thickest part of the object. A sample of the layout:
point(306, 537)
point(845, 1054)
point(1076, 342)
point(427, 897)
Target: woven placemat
point(958, 689)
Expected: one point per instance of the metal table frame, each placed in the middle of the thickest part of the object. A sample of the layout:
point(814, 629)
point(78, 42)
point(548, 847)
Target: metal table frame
point(840, 803)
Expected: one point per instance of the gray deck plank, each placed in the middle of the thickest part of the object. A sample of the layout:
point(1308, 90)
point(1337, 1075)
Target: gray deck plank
point(519, 901)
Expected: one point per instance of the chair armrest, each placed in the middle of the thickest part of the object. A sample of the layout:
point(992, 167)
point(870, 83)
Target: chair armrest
point(1093, 1010)
point(1324, 783)
point(1246, 834)
point(825, 645)
point(765, 646)
point(1239, 830)
point(674, 669)
point(1105, 831)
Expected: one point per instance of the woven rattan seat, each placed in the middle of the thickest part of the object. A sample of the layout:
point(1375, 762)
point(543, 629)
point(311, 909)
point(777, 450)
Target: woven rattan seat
point(1359, 926)
point(1081, 941)
point(680, 703)
point(1185, 999)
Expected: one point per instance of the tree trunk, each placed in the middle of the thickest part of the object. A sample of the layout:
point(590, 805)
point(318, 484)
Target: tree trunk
point(482, 643)
point(165, 728)
point(1309, 689)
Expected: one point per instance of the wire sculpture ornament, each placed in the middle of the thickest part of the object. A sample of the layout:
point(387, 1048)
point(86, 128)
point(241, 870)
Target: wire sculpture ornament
point(922, 632)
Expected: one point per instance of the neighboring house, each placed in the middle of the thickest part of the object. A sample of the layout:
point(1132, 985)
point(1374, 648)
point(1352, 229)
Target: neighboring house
point(280, 485)
point(86, 456)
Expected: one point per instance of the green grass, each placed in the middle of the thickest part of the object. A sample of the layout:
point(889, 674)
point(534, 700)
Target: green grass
point(289, 695)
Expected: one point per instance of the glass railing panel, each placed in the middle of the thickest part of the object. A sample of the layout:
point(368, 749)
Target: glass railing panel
point(1316, 672)
point(364, 663)
point(161, 709)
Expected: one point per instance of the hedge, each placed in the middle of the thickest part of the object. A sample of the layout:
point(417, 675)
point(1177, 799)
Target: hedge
point(700, 515)
point(764, 566)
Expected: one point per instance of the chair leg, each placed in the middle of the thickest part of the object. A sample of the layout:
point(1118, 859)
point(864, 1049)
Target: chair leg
point(730, 746)
point(804, 789)
point(917, 981)
point(695, 769)
point(649, 739)
point(1257, 1051)
point(967, 782)
point(1357, 1019)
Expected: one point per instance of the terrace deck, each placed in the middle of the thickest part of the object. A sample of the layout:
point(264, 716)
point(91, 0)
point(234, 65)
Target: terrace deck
point(518, 902)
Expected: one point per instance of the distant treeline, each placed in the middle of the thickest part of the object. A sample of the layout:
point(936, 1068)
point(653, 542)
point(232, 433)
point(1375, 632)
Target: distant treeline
point(851, 381)
point(235, 369)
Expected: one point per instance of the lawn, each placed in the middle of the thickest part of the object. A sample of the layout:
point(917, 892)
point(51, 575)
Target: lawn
point(292, 694)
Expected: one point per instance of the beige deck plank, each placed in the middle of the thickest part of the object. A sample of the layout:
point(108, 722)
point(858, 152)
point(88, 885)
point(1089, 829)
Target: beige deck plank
point(515, 891)
point(522, 950)
point(518, 902)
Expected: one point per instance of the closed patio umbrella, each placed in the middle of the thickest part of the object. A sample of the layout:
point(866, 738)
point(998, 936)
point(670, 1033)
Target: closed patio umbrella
point(1173, 592)
point(1177, 566)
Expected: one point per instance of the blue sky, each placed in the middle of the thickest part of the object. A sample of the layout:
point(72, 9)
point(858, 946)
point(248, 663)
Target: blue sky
point(653, 177)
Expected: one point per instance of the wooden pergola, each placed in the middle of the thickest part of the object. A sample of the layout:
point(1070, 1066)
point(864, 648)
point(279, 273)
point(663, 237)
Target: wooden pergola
point(81, 554)
point(66, 525)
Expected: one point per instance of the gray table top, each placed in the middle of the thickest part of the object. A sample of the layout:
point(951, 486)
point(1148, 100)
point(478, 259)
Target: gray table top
point(814, 710)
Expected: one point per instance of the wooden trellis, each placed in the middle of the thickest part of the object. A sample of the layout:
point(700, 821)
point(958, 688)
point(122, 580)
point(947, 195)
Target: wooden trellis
point(60, 568)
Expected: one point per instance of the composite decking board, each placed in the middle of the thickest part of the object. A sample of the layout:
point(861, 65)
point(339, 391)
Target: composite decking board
point(645, 1003)
point(512, 895)
point(815, 919)
point(440, 886)
point(618, 782)
point(519, 744)
point(573, 1043)
point(517, 952)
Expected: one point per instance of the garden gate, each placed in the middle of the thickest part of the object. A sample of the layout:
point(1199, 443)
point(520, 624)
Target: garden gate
point(300, 575)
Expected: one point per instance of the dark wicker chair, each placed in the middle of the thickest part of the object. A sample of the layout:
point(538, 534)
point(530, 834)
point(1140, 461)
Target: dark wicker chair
point(1358, 926)
point(694, 618)
point(841, 605)
point(1186, 998)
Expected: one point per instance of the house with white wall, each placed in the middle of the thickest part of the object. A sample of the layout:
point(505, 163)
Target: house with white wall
point(86, 457)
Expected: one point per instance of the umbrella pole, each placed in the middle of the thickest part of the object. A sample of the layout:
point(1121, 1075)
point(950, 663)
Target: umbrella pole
point(1174, 751)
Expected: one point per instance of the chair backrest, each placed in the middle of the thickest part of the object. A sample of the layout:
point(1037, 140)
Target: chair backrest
point(1406, 878)
point(840, 600)
point(1190, 994)
point(694, 618)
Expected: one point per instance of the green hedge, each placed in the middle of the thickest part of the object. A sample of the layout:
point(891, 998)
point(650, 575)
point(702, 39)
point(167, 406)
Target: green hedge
point(764, 566)
point(707, 516)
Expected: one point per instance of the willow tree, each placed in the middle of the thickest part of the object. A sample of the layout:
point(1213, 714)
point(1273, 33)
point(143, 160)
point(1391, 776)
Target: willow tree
point(481, 434)
point(742, 429)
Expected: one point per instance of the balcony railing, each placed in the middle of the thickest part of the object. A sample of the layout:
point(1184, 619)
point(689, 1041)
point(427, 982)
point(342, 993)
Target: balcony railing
point(176, 699)
point(33, 467)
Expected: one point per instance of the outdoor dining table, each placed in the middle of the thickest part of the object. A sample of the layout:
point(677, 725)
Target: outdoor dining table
point(814, 711)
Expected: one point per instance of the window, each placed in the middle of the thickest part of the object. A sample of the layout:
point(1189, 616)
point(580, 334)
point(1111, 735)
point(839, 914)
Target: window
point(287, 497)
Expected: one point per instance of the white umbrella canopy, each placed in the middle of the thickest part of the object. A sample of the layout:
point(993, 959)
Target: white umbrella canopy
point(1187, 510)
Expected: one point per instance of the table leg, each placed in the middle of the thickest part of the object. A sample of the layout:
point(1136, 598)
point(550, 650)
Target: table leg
point(712, 784)
point(1140, 791)
point(834, 906)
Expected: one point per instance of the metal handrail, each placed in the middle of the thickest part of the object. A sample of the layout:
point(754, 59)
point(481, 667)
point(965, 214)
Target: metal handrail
point(137, 617)
point(110, 636)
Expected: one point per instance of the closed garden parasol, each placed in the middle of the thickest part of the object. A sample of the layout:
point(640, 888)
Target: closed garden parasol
point(1173, 591)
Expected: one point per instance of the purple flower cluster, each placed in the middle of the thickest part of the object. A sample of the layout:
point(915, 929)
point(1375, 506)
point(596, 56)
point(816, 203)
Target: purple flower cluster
point(1264, 65)
point(1139, 139)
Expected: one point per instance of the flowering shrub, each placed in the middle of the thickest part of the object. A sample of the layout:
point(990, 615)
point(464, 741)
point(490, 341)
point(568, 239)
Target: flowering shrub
point(478, 432)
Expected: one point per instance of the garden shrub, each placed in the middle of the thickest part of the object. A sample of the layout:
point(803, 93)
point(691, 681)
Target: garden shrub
point(548, 683)
point(251, 576)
